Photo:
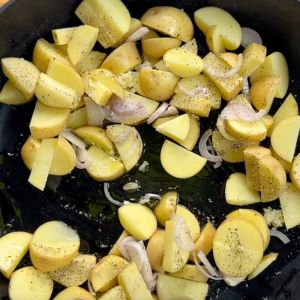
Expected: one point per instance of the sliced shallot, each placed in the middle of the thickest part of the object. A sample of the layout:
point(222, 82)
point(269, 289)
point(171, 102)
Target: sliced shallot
point(280, 235)
point(83, 161)
point(169, 112)
point(109, 197)
point(249, 36)
point(138, 35)
point(192, 93)
point(95, 113)
point(207, 264)
point(136, 254)
point(158, 112)
point(73, 138)
point(245, 89)
point(122, 246)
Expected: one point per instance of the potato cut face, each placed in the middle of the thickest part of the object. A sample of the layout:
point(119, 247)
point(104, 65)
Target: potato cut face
point(11, 95)
point(29, 283)
point(13, 246)
point(74, 292)
point(295, 172)
point(91, 62)
point(115, 249)
point(190, 272)
point(116, 293)
point(77, 118)
point(237, 247)
point(62, 36)
point(214, 40)
point(193, 135)
point(230, 57)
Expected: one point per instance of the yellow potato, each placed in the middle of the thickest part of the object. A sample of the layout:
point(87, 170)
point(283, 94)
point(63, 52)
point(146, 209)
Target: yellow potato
point(268, 121)
point(13, 247)
point(9, 94)
point(183, 63)
point(28, 283)
point(105, 273)
point(284, 138)
point(230, 29)
point(171, 288)
point(91, 62)
point(190, 272)
point(264, 263)
point(95, 136)
point(44, 52)
point(161, 65)
point(116, 293)
point(157, 47)
point(110, 16)
point(74, 292)
point(295, 172)
point(166, 207)
point(104, 167)
point(170, 21)
point(262, 93)
point(290, 205)
point(274, 65)
point(77, 118)
point(221, 127)
point(286, 165)
point(193, 135)
point(66, 75)
point(47, 121)
point(174, 257)
point(157, 85)
point(54, 245)
point(214, 39)
point(237, 247)
point(237, 191)
point(155, 250)
point(229, 87)
point(131, 280)
point(115, 248)
point(180, 162)
point(62, 36)
point(289, 108)
point(253, 56)
point(123, 59)
point(191, 45)
point(135, 213)
point(162, 120)
point(22, 74)
point(230, 57)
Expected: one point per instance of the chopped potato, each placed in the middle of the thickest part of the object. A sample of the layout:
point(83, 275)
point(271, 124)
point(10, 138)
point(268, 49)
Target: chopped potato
point(9, 94)
point(74, 292)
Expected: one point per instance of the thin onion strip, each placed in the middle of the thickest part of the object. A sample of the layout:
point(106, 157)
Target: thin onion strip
point(138, 34)
point(73, 138)
point(280, 235)
point(95, 113)
point(109, 197)
point(169, 112)
point(207, 264)
point(250, 36)
point(161, 109)
point(122, 246)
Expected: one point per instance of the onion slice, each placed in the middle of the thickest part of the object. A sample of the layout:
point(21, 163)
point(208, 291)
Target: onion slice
point(245, 90)
point(136, 254)
point(95, 113)
point(83, 161)
point(207, 264)
point(192, 93)
point(109, 197)
point(169, 112)
point(73, 138)
point(138, 34)
point(161, 109)
point(122, 246)
point(249, 36)
point(280, 235)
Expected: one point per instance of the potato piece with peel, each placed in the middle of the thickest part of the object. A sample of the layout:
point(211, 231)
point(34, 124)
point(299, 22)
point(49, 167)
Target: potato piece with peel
point(22, 73)
point(135, 213)
point(157, 47)
point(116, 293)
point(275, 64)
point(77, 118)
point(13, 247)
point(110, 16)
point(166, 207)
point(262, 93)
point(174, 257)
point(91, 62)
point(295, 172)
point(230, 29)
point(264, 263)
point(67, 75)
point(132, 282)
point(256, 219)
point(104, 275)
point(191, 45)
point(253, 57)
point(76, 273)
point(230, 57)
point(286, 165)
point(190, 272)
point(170, 21)
point(183, 63)
point(180, 162)
point(9, 94)
point(53, 93)
point(114, 250)
point(29, 283)
point(95, 136)
point(62, 36)
point(237, 247)
point(268, 121)
point(44, 52)
point(123, 59)
point(47, 121)
point(128, 143)
point(104, 166)
point(155, 250)
point(237, 192)
point(74, 292)
point(193, 135)
point(229, 87)
point(177, 129)
point(190, 220)
point(289, 108)
point(54, 245)
point(214, 40)
point(246, 131)
point(172, 288)
point(157, 85)
point(290, 205)
point(284, 138)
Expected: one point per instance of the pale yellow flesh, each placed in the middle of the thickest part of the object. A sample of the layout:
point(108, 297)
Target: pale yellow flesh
point(115, 248)
point(91, 62)
point(193, 135)
point(214, 40)
point(74, 292)
point(62, 36)
point(295, 172)
point(190, 272)
point(77, 118)
point(9, 94)
point(116, 293)
point(230, 57)
point(29, 283)
point(264, 263)
point(13, 247)
point(191, 45)
point(135, 213)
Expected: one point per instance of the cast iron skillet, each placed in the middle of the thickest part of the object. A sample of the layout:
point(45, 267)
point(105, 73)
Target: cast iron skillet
point(79, 201)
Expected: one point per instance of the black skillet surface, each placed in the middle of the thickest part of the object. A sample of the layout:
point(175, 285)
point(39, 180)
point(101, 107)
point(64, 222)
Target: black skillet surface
point(79, 201)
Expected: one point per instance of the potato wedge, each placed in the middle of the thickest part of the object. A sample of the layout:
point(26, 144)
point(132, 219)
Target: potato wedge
point(9, 94)
point(191, 45)
point(214, 40)
point(74, 292)
point(170, 21)
point(268, 121)
point(116, 293)
point(22, 73)
point(179, 162)
point(29, 283)
point(54, 245)
point(104, 166)
point(295, 172)
point(230, 57)
point(114, 250)
point(91, 62)
point(207, 16)
point(274, 65)
point(13, 247)
point(193, 135)
point(286, 165)
point(62, 36)
point(237, 192)
point(135, 213)
point(221, 127)
point(190, 272)
point(77, 118)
